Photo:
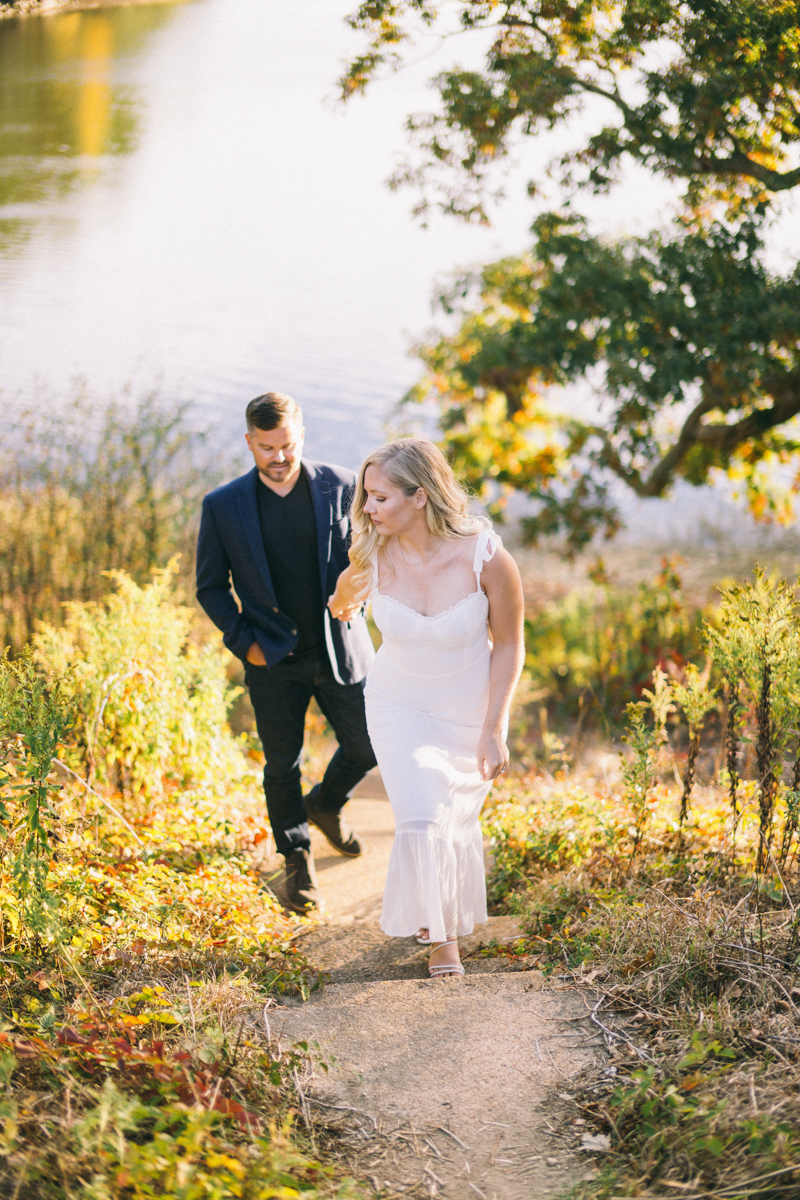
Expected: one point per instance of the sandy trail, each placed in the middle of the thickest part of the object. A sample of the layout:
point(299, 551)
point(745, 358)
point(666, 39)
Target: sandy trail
point(441, 1087)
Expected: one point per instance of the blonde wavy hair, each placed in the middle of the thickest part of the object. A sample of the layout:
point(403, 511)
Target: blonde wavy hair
point(410, 464)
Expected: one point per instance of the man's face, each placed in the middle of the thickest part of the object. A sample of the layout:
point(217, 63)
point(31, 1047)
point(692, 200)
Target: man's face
point(277, 452)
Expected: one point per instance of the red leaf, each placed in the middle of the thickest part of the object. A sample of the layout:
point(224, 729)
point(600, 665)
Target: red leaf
point(71, 1037)
point(224, 1104)
point(250, 1122)
point(24, 1049)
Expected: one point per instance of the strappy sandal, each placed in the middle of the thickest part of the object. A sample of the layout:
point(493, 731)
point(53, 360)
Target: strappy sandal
point(436, 970)
point(428, 941)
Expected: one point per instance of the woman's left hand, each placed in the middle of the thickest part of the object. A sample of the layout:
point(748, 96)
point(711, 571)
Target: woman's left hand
point(493, 755)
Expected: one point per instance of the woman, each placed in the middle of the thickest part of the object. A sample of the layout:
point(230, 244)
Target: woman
point(447, 600)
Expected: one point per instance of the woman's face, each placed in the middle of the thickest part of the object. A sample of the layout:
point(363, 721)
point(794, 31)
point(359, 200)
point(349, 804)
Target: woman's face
point(391, 510)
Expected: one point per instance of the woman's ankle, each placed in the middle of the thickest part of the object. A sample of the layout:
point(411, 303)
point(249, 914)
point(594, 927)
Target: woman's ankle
point(450, 949)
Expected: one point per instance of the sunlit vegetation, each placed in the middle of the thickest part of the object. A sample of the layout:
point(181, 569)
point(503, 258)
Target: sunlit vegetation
point(89, 487)
point(592, 650)
point(676, 906)
point(140, 952)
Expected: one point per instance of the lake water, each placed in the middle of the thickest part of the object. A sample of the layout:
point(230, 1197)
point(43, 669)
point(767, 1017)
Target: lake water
point(182, 206)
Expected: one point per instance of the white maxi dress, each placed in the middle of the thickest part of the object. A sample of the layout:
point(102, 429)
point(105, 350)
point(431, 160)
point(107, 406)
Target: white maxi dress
point(426, 698)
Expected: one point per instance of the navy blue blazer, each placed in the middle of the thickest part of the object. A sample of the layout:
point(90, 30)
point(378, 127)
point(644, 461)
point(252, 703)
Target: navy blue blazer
point(230, 550)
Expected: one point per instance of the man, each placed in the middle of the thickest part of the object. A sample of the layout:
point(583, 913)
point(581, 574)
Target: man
point(279, 534)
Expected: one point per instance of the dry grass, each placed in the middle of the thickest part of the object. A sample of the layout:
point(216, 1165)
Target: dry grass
point(690, 966)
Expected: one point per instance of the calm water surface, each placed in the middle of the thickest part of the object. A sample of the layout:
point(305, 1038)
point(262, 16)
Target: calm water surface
point(182, 208)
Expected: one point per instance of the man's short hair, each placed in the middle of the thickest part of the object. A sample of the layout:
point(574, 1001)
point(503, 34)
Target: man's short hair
point(272, 410)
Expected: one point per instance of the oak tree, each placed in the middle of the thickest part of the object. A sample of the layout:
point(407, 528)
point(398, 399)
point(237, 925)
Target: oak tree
point(688, 339)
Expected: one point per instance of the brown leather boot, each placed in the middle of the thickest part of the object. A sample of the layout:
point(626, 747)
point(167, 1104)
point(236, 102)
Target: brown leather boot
point(302, 893)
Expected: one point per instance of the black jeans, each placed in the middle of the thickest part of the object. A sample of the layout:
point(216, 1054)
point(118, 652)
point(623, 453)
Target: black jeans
point(280, 696)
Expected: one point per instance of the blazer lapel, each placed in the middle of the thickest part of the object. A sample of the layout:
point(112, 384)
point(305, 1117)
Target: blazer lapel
point(320, 498)
point(248, 511)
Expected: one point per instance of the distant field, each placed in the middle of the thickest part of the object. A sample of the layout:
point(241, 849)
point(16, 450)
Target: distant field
point(546, 574)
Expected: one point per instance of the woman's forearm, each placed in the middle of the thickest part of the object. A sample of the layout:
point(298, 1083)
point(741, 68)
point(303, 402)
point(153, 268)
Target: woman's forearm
point(351, 591)
point(506, 665)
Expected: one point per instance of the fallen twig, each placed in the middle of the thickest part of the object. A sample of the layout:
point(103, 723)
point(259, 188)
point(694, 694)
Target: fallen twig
point(345, 1108)
point(620, 1037)
point(435, 1178)
point(457, 1140)
point(303, 1101)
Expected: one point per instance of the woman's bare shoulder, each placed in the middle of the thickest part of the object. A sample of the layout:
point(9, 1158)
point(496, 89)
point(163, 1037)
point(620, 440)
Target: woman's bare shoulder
point(501, 567)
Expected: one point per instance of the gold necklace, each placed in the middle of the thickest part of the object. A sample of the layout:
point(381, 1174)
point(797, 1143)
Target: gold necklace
point(425, 560)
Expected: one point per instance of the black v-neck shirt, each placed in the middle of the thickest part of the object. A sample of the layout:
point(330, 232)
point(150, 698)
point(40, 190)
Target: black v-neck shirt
point(289, 534)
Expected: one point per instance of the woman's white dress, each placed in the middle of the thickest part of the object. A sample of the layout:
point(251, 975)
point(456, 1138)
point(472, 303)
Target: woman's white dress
point(426, 698)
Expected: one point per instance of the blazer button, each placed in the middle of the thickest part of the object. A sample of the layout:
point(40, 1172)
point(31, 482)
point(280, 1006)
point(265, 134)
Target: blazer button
point(275, 609)
point(294, 631)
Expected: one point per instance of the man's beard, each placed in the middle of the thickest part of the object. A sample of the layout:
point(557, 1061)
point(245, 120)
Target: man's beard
point(278, 473)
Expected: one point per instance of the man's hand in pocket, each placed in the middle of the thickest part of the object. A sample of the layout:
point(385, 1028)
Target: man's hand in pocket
point(255, 655)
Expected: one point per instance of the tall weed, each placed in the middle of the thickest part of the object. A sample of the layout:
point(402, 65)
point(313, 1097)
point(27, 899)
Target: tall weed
point(695, 699)
point(646, 741)
point(35, 718)
point(756, 646)
point(151, 701)
point(89, 487)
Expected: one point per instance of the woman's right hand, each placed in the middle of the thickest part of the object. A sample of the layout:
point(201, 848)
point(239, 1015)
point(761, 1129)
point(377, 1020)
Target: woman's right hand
point(343, 612)
point(350, 595)
point(493, 755)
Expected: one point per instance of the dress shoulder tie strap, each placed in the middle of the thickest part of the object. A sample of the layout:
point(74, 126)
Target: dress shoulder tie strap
point(485, 548)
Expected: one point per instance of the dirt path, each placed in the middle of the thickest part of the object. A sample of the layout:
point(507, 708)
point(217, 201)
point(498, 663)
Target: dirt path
point(442, 1088)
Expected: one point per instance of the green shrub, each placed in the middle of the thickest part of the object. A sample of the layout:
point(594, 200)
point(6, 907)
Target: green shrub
point(594, 651)
point(152, 702)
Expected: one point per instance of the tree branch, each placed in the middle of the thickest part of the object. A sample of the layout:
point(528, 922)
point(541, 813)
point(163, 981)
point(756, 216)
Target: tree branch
point(786, 390)
point(740, 163)
point(736, 163)
point(614, 96)
point(661, 475)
